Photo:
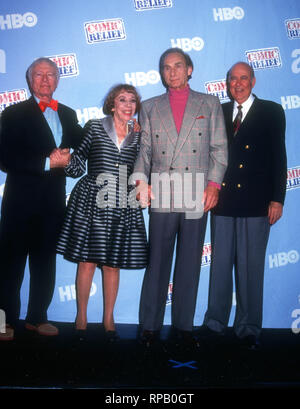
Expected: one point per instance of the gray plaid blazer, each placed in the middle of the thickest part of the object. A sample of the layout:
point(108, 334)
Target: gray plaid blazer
point(179, 166)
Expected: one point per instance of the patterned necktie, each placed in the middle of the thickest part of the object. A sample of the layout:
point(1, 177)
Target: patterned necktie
point(53, 105)
point(237, 120)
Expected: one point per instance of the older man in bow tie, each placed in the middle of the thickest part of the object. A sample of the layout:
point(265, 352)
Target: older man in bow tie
point(36, 136)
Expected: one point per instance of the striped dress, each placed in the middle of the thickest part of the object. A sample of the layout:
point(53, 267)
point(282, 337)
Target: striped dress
point(103, 222)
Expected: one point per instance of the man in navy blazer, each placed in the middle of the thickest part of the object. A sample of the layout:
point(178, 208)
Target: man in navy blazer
point(250, 201)
point(34, 148)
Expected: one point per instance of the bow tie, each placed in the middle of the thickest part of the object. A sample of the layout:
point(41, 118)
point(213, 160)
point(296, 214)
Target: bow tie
point(53, 105)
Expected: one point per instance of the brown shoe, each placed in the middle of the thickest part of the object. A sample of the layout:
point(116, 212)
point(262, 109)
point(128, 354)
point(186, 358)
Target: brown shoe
point(8, 335)
point(45, 329)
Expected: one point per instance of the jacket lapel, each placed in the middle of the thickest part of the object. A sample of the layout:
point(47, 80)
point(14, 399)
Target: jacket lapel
point(108, 125)
point(166, 117)
point(191, 112)
point(40, 127)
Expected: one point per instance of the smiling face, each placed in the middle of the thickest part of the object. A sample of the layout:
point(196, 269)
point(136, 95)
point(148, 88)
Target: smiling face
point(241, 83)
point(175, 71)
point(44, 81)
point(124, 106)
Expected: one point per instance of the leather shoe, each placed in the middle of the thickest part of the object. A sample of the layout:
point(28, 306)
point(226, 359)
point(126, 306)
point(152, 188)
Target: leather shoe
point(111, 336)
point(80, 334)
point(45, 329)
point(8, 335)
point(250, 342)
point(148, 338)
point(185, 339)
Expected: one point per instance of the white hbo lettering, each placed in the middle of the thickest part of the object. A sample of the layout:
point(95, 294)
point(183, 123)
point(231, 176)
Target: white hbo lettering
point(2, 62)
point(13, 21)
point(142, 78)
point(2, 189)
point(2, 322)
point(227, 13)
point(296, 63)
point(85, 114)
point(283, 258)
point(188, 44)
point(296, 314)
point(68, 292)
point(290, 102)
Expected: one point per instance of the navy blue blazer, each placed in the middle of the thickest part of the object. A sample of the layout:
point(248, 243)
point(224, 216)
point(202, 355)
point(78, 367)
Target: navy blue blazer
point(257, 163)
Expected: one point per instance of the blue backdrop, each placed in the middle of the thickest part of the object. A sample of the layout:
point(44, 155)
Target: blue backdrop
point(99, 43)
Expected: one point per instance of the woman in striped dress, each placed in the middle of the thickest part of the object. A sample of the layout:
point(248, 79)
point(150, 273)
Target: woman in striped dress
point(104, 224)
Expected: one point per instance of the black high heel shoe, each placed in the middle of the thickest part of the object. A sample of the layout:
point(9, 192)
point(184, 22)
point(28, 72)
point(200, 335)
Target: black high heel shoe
point(111, 336)
point(80, 334)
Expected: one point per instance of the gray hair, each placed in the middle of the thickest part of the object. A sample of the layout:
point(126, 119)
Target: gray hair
point(39, 61)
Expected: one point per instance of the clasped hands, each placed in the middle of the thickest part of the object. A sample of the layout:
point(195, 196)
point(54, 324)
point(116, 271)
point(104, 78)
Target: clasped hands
point(60, 158)
point(144, 195)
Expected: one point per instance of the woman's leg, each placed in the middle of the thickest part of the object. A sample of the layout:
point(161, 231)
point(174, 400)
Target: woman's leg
point(111, 278)
point(84, 278)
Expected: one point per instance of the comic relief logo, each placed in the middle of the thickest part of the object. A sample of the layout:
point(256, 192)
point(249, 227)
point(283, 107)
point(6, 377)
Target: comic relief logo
point(170, 292)
point(104, 30)
point(12, 97)
point(264, 58)
point(206, 254)
point(67, 64)
point(217, 88)
point(141, 5)
point(293, 178)
point(206, 258)
point(293, 28)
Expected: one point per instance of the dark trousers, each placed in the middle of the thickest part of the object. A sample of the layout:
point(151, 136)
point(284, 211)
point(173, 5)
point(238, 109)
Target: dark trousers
point(29, 236)
point(238, 243)
point(164, 230)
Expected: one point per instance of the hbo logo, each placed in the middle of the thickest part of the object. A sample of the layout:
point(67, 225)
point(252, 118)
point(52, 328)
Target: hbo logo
point(142, 78)
point(188, 44)
point(11, 21)
point(290, 102)
point(227, 13)
point(283, 258)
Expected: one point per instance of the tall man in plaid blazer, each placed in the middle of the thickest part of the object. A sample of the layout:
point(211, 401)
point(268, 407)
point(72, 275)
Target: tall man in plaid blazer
point(183, 149)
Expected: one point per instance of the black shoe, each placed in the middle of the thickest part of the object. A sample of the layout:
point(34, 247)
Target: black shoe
point(111, 337)
point(148, 338)
point(185, 339)
point(80, 335)
point(250, 342)
point(210, 336)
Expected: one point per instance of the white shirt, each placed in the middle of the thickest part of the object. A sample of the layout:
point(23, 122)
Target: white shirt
point(246, 106)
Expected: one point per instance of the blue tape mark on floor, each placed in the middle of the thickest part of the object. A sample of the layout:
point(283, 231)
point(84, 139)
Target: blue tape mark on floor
point(178, 364)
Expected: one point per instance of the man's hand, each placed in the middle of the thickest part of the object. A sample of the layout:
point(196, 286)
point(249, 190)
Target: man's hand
point(144, 193)
point(210, 197)
point(60, 158)
point(137, 127)
point(274, 212)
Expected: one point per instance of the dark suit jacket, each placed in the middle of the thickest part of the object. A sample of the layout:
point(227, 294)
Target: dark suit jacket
point(257, 168)
point(25, 142)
